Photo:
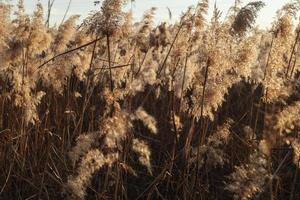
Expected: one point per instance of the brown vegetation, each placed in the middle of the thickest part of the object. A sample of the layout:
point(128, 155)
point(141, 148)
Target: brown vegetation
point(111, 109)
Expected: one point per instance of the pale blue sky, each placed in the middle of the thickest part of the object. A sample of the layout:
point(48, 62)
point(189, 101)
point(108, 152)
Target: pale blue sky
point(83, 7)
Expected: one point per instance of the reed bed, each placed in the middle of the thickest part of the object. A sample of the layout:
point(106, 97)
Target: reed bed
point(108, 108)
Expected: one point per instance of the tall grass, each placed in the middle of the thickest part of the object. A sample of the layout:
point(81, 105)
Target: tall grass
point(112, 109)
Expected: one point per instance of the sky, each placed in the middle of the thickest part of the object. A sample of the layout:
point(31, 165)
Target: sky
point(83, 7)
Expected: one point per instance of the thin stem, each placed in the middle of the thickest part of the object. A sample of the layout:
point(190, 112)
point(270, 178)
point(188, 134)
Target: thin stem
point(87, 96)
point(201, 117)
point(109, 62)
point(292, 53)
point(50, 5)
point(294, 65)
point(268, 59)
point(171, 47)
point(204, 87)
point(275, 173)
point(141, 64)
point(66, 12)
point(183, 81)
point(69, 51)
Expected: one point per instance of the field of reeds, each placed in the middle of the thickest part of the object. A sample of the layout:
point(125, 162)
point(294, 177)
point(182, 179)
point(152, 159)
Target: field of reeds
point(207, 107)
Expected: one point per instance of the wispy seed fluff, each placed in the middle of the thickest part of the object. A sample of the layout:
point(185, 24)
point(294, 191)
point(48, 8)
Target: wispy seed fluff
point(39, 33)
point(84, 143)
point(249, 179)
point(212, 154)
point(296, 148)
point(147, 119)
point(115, 130)
point(4, 23)
point(142, 149)
point(90, 164)
point(65, 34)
point(25, 97)
point(289, 118)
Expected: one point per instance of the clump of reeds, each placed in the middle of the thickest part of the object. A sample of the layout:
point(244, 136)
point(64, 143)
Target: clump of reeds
point(108, 108)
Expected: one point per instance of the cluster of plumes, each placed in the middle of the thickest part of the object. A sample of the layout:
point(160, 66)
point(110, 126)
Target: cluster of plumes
point(249, 180)
point(55, 74)
point(215, 62)
point(195, 59)
point(102, 148)
point(25, 44)
point(212, 153)
point(20, 52)
point(190, 57)
point(282, 131)
point(95, 153)
point(277, 59)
